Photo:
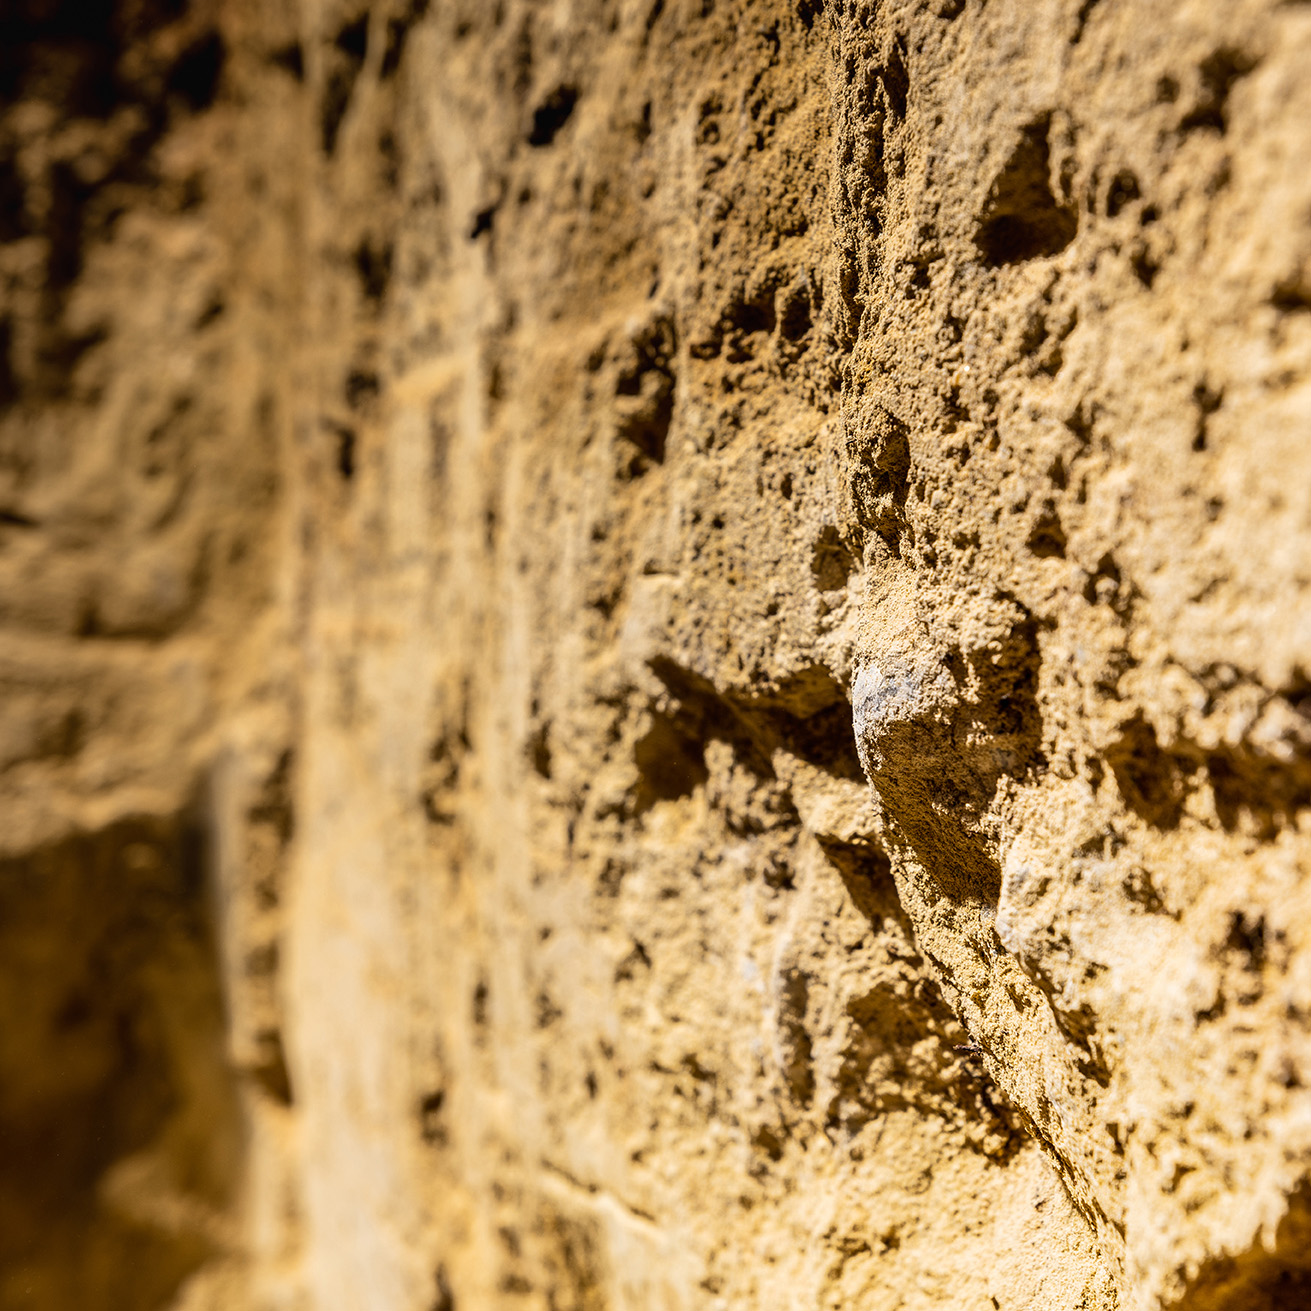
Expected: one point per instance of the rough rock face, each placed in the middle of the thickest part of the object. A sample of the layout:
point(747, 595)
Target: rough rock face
point(657, 654)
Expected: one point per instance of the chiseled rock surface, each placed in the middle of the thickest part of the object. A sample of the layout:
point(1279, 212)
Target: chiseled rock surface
point(665, 646)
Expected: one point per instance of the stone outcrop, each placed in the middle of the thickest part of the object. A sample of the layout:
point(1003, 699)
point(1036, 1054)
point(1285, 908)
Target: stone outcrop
point(657, 655)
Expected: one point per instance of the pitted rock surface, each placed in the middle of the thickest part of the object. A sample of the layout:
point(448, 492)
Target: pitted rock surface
point(657, 654)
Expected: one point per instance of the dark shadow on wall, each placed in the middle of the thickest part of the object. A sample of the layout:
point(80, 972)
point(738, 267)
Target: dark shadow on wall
point(888, 1063)
point(1262, 1279)
point(120, 1143)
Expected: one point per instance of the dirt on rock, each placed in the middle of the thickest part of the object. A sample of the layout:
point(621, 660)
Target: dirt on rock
point(657, 654)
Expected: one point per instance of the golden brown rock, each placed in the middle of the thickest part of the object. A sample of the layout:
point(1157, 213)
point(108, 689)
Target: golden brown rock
point(657, 654)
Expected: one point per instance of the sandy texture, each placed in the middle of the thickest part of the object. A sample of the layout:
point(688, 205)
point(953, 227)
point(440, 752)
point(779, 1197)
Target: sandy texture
point(657, 654)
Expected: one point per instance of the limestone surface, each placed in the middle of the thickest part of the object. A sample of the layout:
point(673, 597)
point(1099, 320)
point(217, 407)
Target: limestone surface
point(656, 654)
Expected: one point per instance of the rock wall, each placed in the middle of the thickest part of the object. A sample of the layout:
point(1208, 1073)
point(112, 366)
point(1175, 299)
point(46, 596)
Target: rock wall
point(657, 654)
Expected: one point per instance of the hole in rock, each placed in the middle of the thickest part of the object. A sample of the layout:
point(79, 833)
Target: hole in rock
point(346, 453)
point(1217, 74)
point(1047, 537)
point(831, 563)
point(195, 76)
point(1151, 781)
point(795, 321)
point(1124, 191)
point(291, 59)
point(373, 264)
point(552, 114)
point(1022, 219)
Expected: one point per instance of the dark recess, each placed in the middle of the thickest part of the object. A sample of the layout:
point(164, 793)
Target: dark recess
point(808, 11)
point(345, 451)
point(195, 76)
point(270, 1071)
point(8, 383)
point(1081, 20)
point(68, 199)
point(482, 222)
point(1218, 73)
point(130, 996)
point(1022, 219)
point(1291, 295)
point(362, 386)
point(831, 563)
point(1261, 1279)
point(644, 394)
point(345, 59)
point(445, 1299)
point(797, 317)
point(290, 58)
point(896, 80)
point(374, 265)
point(353, 39)
point(552, 114)
point(1151, 781)
point(539, 750)
point(670, 757)
point(13, 218)
point(1124, 191)
point(1047, 537)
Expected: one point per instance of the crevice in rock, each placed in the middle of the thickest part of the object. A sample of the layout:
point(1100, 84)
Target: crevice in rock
point(344, 60)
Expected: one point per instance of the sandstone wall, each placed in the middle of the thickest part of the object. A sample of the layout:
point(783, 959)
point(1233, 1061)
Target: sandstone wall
point(657, 654)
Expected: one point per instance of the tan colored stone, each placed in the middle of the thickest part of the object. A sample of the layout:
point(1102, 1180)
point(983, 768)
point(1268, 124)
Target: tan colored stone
point(656, 655)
